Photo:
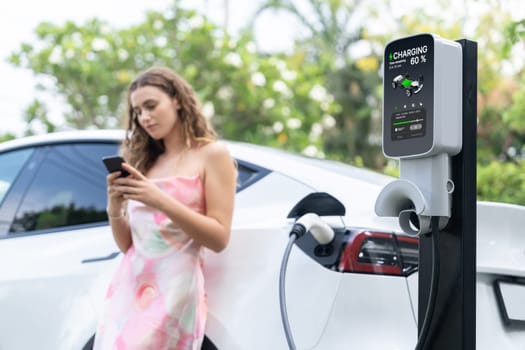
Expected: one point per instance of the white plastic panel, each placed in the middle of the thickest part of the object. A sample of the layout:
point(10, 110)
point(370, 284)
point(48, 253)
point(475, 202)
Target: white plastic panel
point(243, 286)
point(370, 312)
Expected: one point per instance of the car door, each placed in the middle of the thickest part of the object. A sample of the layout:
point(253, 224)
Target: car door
point(242, 281)
point(54, 241)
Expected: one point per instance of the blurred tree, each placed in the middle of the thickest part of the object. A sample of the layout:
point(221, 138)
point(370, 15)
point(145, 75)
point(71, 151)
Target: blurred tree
point(502, 182)
point(331, 29)
point(495, 89)
point(328, 25)
point(7, 137)
point(247, 96)
point(323, 97)
point(513, 49)
point(501, 171)
point(36, 118)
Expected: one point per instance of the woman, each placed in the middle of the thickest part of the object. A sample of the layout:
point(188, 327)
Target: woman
point(179, 198)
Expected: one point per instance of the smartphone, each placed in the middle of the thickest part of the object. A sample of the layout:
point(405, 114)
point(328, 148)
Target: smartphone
point(114, 163)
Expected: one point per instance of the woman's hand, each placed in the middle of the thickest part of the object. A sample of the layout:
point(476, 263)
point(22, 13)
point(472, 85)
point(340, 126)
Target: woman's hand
point(137, 187)
point(115, 197)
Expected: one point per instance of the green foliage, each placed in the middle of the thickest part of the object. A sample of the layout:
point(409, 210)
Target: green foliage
point(36, 118)
point(7, 137)
point(502, 182)
point(248, 97)
point(317, 100)
point(504, 179)
point(331, 28)
point(355, 90)
point(513, 116)
point(501, 137)
point(514, 33)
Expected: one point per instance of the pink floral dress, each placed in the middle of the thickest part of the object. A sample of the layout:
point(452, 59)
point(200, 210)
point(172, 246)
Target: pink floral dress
point(156, 299)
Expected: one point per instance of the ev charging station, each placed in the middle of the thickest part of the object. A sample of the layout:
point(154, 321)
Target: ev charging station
point(429, 124)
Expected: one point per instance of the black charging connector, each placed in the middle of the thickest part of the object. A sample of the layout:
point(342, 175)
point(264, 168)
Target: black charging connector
point(298, 230)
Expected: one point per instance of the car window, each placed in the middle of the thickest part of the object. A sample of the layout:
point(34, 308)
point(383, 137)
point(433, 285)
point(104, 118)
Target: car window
point(355, 172)
point(248, 173)
point(69, 188)
point(11, 164)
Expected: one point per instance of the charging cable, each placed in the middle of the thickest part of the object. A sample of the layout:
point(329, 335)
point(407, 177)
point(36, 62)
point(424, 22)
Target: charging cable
point(429, 313)
point(323, 234)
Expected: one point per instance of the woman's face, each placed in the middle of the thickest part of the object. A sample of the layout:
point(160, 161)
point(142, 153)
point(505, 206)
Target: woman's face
point(155, 111)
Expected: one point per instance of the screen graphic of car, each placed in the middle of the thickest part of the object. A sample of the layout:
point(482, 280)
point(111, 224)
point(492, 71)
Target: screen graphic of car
point(411, 87)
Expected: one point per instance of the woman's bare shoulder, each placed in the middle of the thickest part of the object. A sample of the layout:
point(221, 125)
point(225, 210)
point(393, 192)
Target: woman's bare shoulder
point(215, 149)
point(217, 159)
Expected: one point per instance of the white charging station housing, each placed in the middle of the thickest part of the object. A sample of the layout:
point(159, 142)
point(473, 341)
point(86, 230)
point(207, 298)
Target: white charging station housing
point(422, 99)
point(422, 127)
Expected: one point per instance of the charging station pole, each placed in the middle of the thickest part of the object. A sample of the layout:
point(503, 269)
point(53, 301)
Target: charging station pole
point(453, 326)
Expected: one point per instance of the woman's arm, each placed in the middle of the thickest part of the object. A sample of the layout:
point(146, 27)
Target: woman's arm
point(121, 231)
point(117, 220)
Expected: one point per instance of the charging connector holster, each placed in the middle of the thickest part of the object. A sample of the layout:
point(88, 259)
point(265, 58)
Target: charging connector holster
point(424, 190)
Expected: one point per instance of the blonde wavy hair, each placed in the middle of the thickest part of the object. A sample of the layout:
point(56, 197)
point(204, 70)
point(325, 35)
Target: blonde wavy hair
point(138, 148)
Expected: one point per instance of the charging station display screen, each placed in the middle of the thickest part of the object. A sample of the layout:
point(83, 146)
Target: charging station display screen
point(408, 91)
point(408, 124)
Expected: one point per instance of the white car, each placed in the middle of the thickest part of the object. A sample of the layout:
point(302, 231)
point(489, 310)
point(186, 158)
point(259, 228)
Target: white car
point(57, 255)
